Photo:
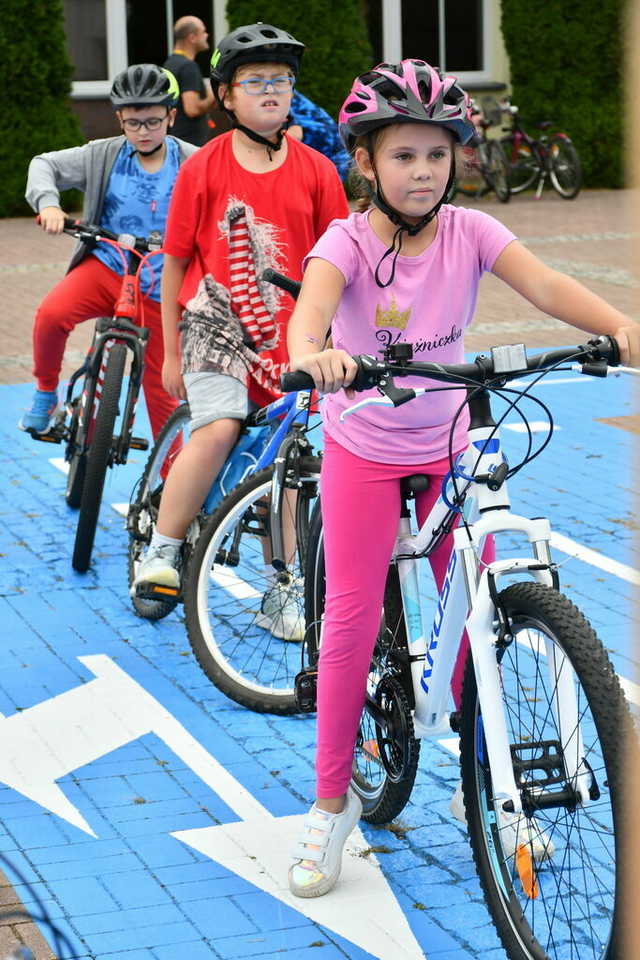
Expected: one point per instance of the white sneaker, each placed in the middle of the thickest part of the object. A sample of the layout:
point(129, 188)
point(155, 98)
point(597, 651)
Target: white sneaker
point(323, 838)
point(515, 830)
point(159, 566)
point(282, 611)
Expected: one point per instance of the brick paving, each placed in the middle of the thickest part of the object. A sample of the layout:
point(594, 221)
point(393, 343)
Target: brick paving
point(135, 891)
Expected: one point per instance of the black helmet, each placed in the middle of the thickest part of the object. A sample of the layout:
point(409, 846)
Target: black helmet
point(255, 43)
point(144, 85)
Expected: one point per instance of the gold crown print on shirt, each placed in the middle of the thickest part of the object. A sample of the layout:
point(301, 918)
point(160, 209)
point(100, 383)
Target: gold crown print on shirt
point(392, 317)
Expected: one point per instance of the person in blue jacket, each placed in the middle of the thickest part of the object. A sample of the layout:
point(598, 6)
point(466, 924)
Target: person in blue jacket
point(313, 125)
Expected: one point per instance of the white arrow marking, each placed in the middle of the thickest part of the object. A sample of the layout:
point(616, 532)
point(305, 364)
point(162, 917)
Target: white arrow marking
point(362, 907)
point(45, 742)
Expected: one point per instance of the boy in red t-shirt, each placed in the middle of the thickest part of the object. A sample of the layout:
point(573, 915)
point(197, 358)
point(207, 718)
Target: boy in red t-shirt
point(250, 199)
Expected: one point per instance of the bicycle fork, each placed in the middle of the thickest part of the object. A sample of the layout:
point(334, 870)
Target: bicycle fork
point(482, 636)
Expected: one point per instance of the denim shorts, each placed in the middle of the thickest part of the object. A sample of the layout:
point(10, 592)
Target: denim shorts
point(215, 396)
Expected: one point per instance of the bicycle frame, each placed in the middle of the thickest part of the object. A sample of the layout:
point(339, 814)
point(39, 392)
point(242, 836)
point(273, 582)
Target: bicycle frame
point(468, 598)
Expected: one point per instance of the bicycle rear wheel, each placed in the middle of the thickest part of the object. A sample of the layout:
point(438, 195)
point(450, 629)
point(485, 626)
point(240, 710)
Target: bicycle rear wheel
point(498, 171)
point(565, 170)
point(225, 587)
point(145, 502)
point(565, 907)
point(78, 461)
point(98, 458)
point(385, 760)
point(524, 166)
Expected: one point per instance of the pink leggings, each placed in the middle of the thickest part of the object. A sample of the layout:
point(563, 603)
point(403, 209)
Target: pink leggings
point(360, 513)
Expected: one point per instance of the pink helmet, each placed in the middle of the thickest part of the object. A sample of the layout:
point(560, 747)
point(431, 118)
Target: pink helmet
point(407, 92)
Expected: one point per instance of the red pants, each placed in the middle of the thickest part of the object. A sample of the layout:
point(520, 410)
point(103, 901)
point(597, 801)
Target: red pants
point(91, 290)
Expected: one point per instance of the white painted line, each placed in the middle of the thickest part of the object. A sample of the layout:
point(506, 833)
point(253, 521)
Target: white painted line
point(452, 744)
point(535, 426)
point(595, 559)
point(121, 508)
point(60, 464)
point(227, 580)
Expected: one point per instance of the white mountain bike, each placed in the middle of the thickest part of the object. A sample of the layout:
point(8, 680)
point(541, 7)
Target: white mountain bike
point(543, 717)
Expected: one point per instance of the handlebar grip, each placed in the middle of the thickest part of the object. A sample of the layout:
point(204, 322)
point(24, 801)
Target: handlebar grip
point(70, 223)
point(279, 280)
point(297, 380)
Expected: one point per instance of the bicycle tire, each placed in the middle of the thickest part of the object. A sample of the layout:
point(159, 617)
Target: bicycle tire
point(382, 797)
point(565, 169)
point(98, 457)
point(498, 173)
point(567, 906)
point(223, 594)
point(77, 463)
point(524, 164)
point(144, 505)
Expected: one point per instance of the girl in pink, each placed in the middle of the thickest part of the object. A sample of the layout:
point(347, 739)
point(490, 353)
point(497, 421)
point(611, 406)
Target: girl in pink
point(406, 269)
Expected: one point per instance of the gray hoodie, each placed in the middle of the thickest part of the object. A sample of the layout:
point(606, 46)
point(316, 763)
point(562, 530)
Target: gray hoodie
point(85, 168)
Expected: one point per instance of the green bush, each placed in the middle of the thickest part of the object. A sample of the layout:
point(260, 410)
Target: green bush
point(335, 35)
point(566, 66)
point(36, 114)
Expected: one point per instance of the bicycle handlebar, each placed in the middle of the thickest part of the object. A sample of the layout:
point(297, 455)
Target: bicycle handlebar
point(88, 232)
point(594, 357)
point(279, 280)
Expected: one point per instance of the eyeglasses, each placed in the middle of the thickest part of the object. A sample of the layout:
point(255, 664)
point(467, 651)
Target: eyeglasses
point(152, 123)
point(255, 86)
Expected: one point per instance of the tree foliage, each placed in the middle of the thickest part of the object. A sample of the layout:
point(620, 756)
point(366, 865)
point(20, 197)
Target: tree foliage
point(567, 66)
point(37, 114)
point(335, 35)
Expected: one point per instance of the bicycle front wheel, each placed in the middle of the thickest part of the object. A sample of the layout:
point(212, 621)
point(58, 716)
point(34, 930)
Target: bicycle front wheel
point(566, 718)
point(98, 458)
point(498, 172)
point(565, 170)
point(248, 648)
point(145, 503)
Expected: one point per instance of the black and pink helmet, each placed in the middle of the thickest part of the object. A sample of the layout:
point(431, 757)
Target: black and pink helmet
point(408, 92)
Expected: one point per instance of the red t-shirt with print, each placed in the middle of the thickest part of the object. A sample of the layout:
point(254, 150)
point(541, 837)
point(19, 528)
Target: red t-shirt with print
point(232, 224)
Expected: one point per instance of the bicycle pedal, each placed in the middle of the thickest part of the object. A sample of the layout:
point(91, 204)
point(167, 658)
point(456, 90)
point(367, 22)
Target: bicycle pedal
point(157, 591)
point(139, 443)
point(55, 435)
point(306, 689)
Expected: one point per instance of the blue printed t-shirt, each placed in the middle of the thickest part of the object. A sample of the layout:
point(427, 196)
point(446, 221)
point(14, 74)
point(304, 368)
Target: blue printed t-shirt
point(137, 202)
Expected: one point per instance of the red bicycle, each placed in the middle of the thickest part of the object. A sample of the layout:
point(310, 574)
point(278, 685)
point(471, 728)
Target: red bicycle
point(532, 161)
point(86, 422)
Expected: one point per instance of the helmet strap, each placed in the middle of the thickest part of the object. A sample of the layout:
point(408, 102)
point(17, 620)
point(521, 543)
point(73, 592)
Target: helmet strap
point(412, 229)
point(147, 153)
point(271, 147)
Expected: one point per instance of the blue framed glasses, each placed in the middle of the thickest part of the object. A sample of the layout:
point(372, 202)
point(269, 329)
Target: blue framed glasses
point(256, 86)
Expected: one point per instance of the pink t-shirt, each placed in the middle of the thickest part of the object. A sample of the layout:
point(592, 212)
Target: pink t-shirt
point(430, 302)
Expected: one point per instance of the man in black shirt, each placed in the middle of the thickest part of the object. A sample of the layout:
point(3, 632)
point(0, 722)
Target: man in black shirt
point(196, 99)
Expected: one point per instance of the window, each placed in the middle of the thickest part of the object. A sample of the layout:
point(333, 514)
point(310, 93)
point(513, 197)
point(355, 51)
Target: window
point(449, 35)
point(86, 30)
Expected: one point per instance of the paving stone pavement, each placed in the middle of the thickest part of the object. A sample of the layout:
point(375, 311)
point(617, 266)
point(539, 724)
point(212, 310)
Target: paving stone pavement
point(101, 854)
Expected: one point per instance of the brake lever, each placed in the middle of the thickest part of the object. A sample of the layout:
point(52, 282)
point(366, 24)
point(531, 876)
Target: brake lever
point(397, 395)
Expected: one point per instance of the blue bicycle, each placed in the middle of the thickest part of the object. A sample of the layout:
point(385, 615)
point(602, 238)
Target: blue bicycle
point(249, 540)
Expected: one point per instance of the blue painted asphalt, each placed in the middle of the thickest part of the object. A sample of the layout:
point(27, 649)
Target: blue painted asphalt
point(135, 891)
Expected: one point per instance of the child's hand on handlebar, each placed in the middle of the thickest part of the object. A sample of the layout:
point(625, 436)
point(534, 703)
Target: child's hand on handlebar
point(628, 339)
point(51, 219)
point(330, 369)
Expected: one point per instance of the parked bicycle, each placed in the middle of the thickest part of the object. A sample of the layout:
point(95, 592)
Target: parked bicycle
point(255, 521)
point(486, 166)
point(542, 718)
point(532, 160)
point(87, 420)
